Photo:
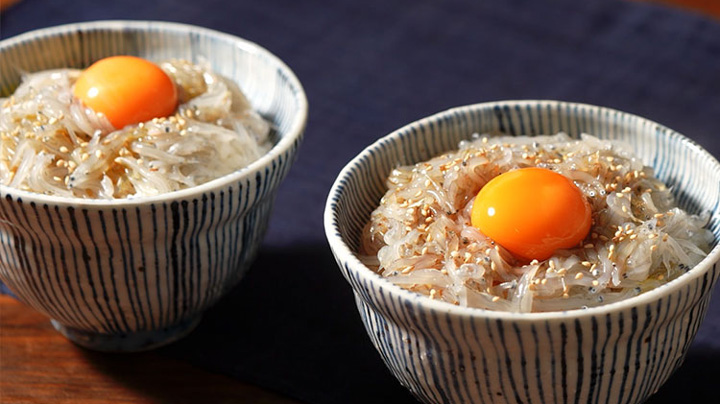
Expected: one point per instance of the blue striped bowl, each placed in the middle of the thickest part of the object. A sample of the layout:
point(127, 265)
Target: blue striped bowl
point(134, 274)
point(618, 353)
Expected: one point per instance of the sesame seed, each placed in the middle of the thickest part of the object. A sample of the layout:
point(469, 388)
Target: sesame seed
point(653, 247)
point(495, 298)
point(579, 275)
point(595, 283)
point(64, 149)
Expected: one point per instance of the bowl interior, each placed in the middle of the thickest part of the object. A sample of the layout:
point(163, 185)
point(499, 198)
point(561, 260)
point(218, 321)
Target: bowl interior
point(270, 86)
point(691, 172)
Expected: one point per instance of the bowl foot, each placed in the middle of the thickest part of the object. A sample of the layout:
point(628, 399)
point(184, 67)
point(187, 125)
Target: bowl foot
point(130, 342)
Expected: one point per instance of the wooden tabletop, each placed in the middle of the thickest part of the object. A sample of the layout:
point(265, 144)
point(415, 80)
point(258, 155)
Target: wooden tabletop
point(708, 7)
point(38, 365)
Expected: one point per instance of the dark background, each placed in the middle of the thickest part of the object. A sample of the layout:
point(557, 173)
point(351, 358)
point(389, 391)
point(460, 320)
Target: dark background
point(369, 67)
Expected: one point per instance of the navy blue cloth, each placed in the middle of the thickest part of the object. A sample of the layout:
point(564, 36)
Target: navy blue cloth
point(372, 66)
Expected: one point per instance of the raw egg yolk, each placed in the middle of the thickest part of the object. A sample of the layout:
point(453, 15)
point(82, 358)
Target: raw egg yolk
point(532, 212)
point(127, 90)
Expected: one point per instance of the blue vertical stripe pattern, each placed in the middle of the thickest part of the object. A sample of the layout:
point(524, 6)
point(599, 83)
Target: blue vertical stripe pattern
point(618, 353)
point(138, 265)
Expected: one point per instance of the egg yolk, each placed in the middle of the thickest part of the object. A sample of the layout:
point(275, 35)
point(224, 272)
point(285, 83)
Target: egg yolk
point(127, 90)
point(532, 212)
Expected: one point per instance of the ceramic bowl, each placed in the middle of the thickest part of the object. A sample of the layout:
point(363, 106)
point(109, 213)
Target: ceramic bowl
point(618, 353)
point(137, 273)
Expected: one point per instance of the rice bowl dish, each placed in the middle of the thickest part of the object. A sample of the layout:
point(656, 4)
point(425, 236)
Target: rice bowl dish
point(133, 272)
point(620, 352)
point(421, 236)
point(55, 145)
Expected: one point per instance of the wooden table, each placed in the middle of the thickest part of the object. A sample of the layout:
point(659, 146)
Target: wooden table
point(708, 7)
point(38, 365)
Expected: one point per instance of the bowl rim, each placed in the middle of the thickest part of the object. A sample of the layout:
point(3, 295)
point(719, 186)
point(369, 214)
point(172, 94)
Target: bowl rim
point(344, 254)
point(294, 133)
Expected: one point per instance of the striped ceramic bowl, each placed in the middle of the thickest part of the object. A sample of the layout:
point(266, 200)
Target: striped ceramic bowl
point(133, 274)
point(618, 353)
